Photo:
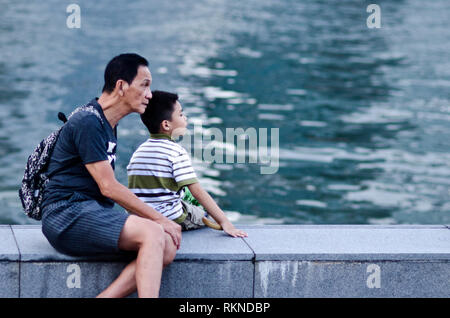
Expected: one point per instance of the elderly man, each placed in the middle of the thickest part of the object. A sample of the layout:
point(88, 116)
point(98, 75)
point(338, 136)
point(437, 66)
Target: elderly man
point(78, 216)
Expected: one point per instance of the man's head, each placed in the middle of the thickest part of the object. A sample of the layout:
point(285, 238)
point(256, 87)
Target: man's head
point(164, 114)
point(128, 76)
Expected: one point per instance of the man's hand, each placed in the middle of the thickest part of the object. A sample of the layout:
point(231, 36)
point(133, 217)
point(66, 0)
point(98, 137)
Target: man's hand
point(103, 175)
point(171, 228)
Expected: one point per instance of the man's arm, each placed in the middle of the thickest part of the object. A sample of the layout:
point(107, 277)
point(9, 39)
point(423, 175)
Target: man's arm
point(103, 175)
point(213, 209)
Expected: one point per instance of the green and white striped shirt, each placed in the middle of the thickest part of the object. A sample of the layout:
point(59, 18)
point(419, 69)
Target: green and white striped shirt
point(157, 171)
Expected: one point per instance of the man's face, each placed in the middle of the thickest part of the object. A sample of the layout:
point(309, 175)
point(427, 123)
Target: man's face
point(138, 94)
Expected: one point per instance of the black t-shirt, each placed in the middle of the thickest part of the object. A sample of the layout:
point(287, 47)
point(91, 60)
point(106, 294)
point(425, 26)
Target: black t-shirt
point(83, 139)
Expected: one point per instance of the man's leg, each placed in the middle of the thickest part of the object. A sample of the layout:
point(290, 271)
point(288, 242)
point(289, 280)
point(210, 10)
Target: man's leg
point(124, 285)
point(155, 250)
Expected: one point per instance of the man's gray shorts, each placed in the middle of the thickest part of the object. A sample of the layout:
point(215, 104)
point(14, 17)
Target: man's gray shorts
point(193, 217)
point(82, 226)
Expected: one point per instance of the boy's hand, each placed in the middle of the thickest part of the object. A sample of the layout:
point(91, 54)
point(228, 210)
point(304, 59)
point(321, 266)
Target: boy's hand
point(231, 230)
point(213, 209)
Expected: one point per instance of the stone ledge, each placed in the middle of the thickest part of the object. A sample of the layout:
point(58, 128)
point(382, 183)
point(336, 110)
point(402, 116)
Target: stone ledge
point(350, 242)
point(274, 261)
point(8, 246)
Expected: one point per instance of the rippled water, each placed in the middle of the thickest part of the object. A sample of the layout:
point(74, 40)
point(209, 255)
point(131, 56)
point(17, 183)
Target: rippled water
point(363, 114)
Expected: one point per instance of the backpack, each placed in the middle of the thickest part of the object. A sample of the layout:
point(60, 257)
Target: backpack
point(35, 177)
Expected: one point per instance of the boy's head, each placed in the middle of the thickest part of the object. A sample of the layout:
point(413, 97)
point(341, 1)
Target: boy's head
point(164, 114)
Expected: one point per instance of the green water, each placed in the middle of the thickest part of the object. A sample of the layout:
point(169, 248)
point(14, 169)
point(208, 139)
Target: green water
point(363, 114)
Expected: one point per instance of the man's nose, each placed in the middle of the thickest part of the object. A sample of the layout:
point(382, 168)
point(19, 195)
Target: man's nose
point(149, 94)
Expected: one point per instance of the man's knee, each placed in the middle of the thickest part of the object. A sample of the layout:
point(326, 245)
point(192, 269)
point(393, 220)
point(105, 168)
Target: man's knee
point(139, 231)
point(152, 233)
point(170, 250)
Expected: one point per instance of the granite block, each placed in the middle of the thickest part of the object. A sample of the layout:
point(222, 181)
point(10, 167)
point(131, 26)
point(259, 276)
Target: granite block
point(209, 263)
point(9, 279)
point(9, 264)
point(352, 279)
point(67, 279)
point(34, 246)
point(199, 244)
point(209, 244)
point(273, 261)
point(206, 279)
point(8, 247)
point(324, 242)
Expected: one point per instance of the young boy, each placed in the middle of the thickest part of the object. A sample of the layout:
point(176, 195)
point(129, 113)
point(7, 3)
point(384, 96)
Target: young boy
point(160, 168)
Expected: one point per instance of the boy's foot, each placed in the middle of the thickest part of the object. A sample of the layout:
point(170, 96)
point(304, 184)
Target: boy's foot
point(211, 224)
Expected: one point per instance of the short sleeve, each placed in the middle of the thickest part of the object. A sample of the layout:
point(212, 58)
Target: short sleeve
point(89, 139)
point(183, 172)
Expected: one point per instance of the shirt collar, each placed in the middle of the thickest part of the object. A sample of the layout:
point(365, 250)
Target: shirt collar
point(94, 102)
point(161, 136)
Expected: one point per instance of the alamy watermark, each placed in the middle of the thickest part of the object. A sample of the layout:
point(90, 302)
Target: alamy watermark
point(374, 19)
point(235, 145)
point(74, 278)
point(374, 278)
point(73, 21)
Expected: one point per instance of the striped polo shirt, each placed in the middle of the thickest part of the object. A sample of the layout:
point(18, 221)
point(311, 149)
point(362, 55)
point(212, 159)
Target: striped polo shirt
point(157, 171)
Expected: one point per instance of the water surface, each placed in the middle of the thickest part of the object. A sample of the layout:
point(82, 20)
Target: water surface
point(363, 114)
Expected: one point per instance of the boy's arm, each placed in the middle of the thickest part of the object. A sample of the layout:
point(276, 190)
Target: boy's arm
point(213, 209)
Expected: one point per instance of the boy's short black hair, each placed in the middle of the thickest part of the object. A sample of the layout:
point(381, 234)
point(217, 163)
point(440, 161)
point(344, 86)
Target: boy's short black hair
point(125, 67)
point(160, 107)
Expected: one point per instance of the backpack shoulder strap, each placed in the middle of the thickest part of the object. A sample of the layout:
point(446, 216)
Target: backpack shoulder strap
point(62, 117)
point(87, 108)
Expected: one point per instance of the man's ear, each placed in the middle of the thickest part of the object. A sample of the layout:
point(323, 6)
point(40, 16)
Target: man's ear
point(121, 86)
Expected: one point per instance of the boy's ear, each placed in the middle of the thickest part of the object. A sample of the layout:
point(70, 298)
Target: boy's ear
point(165, 125)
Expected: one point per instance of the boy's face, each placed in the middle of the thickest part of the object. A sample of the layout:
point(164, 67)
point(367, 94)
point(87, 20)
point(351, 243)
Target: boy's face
point(178, 123)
